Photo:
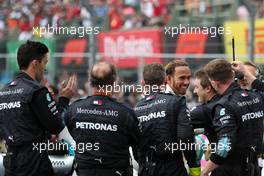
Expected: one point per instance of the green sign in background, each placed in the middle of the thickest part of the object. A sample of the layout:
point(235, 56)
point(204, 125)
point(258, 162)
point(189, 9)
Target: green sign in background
point(12, 47)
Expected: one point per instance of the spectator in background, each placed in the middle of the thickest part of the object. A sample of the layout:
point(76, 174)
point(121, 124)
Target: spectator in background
point(133, 3)
point(100, 9)
point(85, 16)
point(17, 18)
point(24, 28)
point(242, 13)
point(2, 29)
point(115, 17)
point(129, 17)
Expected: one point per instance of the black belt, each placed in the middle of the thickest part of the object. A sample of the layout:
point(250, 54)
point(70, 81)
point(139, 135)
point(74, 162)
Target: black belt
point(103, 171)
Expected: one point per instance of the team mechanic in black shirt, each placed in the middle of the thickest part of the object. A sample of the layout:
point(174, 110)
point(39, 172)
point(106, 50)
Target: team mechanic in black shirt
point(249, 72)
point(106, 126)
point(201, 115)
point(27, 110)
point(237, 119)
point(164, 125)
point(250, 79)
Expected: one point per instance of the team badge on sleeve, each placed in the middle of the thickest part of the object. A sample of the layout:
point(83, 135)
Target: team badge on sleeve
point(48, 97)
point(222, 112)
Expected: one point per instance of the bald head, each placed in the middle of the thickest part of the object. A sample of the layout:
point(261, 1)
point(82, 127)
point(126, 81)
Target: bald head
point(102, 73)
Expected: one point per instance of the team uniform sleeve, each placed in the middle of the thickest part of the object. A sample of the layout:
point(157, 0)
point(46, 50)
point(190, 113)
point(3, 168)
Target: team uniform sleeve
point(48, 112)
point(183, 122)
point(226, 128)
point(258, 85)
point(67, 119)
point(133, 129)
point(198, 117)
point(185, 132)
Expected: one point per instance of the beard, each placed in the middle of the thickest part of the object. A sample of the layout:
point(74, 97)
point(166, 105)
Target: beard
point(178, 90)
point(39, 77)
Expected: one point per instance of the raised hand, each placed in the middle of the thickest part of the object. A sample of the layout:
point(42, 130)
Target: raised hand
point(69, 89)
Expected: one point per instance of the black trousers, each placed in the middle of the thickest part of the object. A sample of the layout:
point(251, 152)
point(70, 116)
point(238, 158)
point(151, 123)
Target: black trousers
point(27, 162)
point(238, 166)
point(163, 167)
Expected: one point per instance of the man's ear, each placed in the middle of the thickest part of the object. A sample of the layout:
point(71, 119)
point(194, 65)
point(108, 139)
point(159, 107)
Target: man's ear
point(213, 83)
point(168, 79)
point(208, 89)
point(165, 80)
point(34, 63)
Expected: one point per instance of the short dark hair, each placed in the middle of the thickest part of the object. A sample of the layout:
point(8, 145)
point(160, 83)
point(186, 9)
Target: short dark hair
point(170, 67)
point(204, 80)
point(30, 51)
point(107, 78)
point(219, 70)
point(154, 74)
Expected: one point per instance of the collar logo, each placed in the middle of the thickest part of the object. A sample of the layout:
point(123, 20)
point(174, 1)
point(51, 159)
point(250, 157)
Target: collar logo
point(150, 98)
point(98, 102)
point(244, 94)
point(13, 83)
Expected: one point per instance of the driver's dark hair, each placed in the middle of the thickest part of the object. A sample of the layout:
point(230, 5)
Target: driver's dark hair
point(219, 70)
point(29, 51)
point(170, 67)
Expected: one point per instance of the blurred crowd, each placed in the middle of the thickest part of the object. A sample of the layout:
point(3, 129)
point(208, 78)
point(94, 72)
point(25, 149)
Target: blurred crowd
point(243, 13)
point(18, 17)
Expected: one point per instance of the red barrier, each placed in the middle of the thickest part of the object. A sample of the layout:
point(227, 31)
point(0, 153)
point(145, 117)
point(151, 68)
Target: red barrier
point(126, 48)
